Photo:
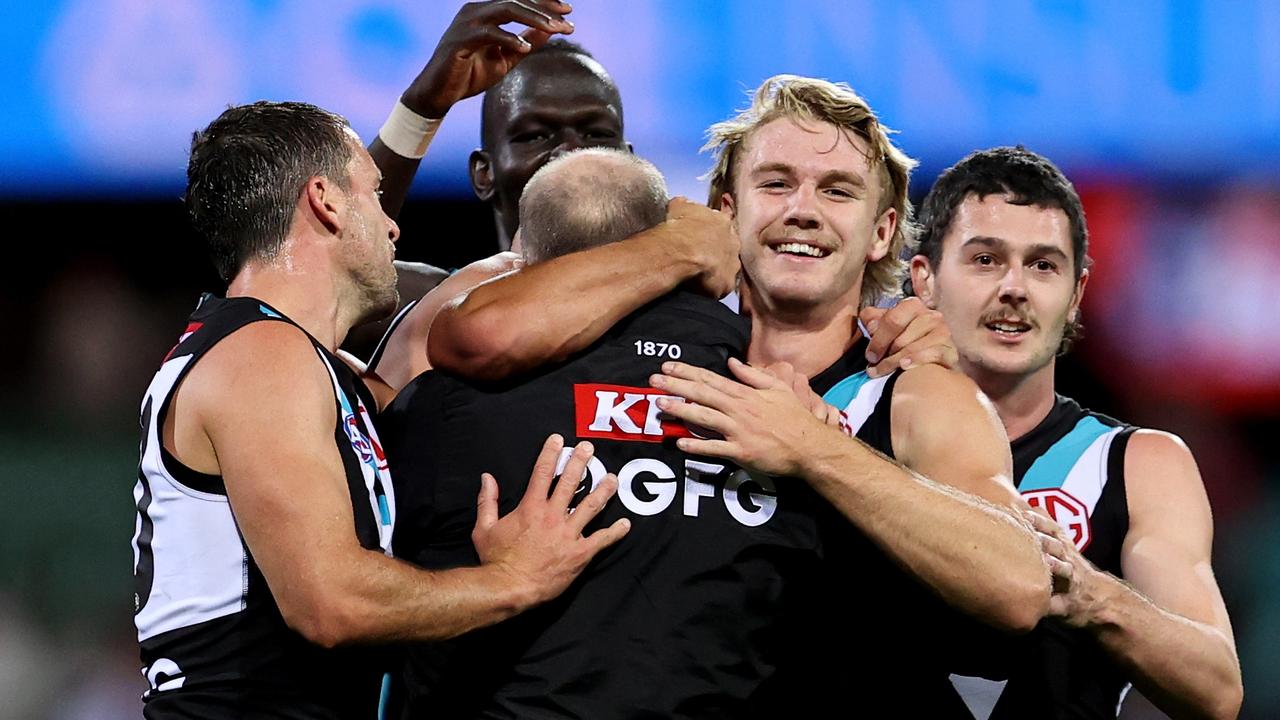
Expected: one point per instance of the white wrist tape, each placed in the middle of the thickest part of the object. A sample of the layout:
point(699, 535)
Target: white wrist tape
point(407, 133)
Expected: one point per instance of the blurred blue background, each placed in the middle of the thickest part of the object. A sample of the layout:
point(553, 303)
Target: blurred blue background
point(1166, 114)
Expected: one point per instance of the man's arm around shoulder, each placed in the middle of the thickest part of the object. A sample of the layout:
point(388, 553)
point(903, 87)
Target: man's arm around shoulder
point(266, 404)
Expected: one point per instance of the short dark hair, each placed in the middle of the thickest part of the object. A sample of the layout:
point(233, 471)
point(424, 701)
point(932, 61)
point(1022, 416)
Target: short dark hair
point(558, 47)
point(1024, 178)
point(587, 198)
point(247, 169)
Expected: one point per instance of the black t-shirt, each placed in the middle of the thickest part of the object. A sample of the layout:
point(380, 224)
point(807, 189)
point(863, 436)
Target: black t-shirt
point(677, 620)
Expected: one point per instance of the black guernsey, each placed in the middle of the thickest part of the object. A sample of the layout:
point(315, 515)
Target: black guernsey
point(213, 642)
point(680, 619)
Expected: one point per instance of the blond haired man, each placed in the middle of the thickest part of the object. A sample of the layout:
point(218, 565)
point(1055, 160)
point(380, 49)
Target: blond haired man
point(816, 193)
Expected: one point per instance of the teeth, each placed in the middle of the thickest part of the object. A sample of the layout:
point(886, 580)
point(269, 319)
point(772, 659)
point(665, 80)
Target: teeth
point(1006, 327)
point(800, 249)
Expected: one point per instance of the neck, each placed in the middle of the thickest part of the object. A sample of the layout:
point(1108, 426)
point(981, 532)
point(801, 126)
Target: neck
point(1022, 401)
point(810, 340)
point(308, 295)
point(504, 233)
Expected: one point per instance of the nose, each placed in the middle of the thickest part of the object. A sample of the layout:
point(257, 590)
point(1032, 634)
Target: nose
point(570, 140)
point(1013, 287)
point(393, 230)
point(802, 208)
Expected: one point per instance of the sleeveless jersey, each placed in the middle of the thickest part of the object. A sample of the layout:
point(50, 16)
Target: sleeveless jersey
point(870, 620)
point(1072, 466)
point(213, 642)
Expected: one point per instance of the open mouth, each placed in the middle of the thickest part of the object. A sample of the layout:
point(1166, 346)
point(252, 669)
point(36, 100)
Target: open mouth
point(799, 249)
point(1009, 328)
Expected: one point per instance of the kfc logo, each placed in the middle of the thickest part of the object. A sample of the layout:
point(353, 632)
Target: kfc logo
point(617, 412)
point(1069, 512)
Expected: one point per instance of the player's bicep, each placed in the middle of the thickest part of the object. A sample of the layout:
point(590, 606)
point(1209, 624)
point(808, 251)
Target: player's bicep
point(269, 410)
point(945, 429)
point(1167, 551)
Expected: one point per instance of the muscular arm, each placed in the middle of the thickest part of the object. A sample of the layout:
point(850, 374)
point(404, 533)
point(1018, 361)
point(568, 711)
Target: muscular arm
point(1169, 628)
point(980, 558)
point(404, 356)
point(555, 308)
point(266, 405)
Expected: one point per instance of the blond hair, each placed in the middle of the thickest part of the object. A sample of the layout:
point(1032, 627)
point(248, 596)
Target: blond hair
point(817, 100)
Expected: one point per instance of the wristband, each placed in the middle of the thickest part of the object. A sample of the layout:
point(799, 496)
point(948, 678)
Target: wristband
point(406, 133)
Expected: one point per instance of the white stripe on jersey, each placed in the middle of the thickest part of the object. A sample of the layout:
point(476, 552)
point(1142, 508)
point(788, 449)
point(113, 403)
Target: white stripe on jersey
point(864, 401)
point(200, 569)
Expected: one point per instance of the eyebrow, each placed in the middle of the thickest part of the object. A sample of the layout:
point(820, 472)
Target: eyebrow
point(995, 243)
point(829, 176)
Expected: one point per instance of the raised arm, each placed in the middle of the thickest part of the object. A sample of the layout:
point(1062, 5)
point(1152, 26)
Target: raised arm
point(263, 405)
point(552, 309)
point(980, 558)
point(473, 54)
point(1166, 622)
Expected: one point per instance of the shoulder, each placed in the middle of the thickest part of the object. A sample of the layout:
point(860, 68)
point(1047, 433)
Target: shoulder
point(266, 363)
point(935, 389)
point(1159, 470)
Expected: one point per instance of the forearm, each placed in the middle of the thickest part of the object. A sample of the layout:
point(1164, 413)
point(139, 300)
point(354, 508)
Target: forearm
point(380, 599)
point(977, 557)
point(398, 172)
point(552, 309)
point(1187, 668)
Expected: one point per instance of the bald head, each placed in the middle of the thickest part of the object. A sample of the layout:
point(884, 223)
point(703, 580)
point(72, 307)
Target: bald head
point(588, 198)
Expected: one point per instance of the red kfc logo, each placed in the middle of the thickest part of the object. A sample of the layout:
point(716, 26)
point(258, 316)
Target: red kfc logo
point(618, 412)
point(1069, 512)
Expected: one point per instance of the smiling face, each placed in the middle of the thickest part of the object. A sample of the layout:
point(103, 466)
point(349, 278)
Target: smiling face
point(1005, 283)
point(805, 203)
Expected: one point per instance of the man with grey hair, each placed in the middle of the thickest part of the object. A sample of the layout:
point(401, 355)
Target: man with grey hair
point(682, 619)
point(563, 209)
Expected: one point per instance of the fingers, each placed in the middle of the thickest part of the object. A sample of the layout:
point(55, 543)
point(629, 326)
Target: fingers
point(535, 37)
point(544, 468)
point(1062, 573)
point(487, 503)
point(710, 448)
point(540, 16)
point(886, 329)
point(1052, 546)
point(694, 414)
point(921, 352)
point(486, 38)
point(593, 503)
point(574, 471)
point(758, 378)
point(1045, 525)
point(603, 538)
point(697, 384)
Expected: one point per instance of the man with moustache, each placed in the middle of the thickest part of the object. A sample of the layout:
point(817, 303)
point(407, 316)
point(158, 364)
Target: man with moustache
point(1003, 255)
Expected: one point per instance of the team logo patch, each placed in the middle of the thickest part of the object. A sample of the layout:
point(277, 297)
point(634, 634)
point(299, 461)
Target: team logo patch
point(618, 412)
point(1069, 512)
point(359, 442)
